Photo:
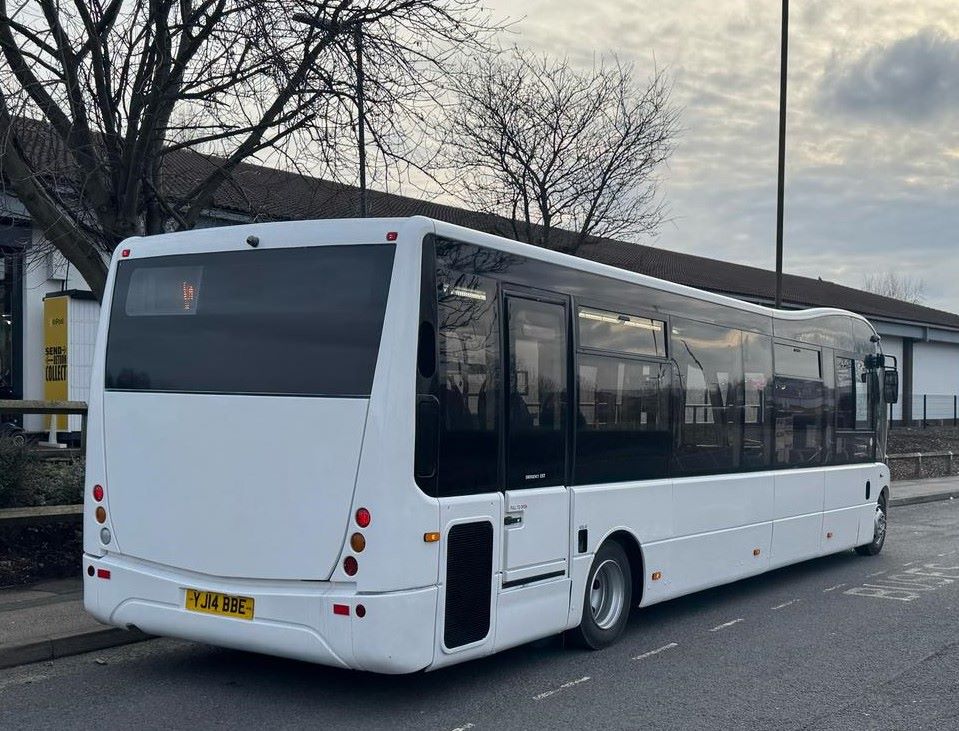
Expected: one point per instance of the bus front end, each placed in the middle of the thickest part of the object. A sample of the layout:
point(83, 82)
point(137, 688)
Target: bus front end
point(246, 475)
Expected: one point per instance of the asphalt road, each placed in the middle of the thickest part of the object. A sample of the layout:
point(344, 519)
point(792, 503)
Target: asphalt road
point(845, 642)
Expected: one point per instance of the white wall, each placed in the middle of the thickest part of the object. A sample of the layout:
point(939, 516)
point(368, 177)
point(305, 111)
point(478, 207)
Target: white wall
point(935, 372)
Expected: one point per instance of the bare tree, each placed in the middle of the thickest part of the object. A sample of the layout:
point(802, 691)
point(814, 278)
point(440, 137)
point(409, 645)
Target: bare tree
point(549, 146)
point(97, 95)
point(897, 286)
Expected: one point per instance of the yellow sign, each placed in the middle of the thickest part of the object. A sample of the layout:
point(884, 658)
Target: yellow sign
point(55, 353)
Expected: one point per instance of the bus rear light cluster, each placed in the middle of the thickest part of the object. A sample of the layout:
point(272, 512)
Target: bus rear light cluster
point(363, 519)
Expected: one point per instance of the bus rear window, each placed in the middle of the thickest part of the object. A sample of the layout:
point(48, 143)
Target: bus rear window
point(298, 321)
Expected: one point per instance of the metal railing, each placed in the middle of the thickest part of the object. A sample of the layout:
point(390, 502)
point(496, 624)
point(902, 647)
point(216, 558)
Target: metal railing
point(939, 409)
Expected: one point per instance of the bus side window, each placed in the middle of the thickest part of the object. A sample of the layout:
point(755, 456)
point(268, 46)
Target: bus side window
point(622, 424)
point(800, 406)
point(710, 363)
point(468, 334)
point(757, 412)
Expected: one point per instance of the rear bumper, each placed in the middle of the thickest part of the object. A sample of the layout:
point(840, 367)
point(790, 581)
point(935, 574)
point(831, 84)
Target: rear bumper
point(292, 618)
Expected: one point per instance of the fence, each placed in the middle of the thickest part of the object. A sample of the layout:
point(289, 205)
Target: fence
point(13, 407)
point(936, 409)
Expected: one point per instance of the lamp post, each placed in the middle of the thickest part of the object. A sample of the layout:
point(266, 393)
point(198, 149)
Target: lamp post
point(782, 156)
point(333, 29)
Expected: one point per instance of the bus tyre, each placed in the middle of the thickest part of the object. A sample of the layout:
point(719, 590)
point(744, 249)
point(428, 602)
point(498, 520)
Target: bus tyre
point(879, 530)
point(609, 595)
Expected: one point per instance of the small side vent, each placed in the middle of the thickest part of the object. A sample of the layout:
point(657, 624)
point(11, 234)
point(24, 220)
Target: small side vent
point(469, 576)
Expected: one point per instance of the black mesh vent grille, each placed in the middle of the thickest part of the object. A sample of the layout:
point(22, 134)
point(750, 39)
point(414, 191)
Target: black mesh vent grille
point(469, 575)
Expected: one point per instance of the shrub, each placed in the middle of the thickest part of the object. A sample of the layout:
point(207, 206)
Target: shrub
point(29, 552)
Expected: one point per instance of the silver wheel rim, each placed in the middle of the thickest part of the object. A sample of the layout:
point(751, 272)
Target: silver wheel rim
point(879, 526)
point(607, 594)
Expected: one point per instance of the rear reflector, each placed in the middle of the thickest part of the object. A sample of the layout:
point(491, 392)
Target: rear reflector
point(391, 235)
point(343, 609)
point(125, 253)
point(103, 573)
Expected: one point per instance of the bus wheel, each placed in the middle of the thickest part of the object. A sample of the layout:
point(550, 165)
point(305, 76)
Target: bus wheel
point(609, 593)
point(879, 530)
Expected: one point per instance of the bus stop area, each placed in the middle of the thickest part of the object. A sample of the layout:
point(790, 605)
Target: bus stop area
point(46, 620)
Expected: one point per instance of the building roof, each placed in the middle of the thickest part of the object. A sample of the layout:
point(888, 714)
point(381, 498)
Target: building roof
point(265, 193)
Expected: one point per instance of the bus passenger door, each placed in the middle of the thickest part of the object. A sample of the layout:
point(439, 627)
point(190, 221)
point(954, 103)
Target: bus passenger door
point(535, 586)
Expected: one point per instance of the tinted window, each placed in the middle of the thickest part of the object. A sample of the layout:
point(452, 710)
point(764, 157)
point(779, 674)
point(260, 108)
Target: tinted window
point(797, 362)
point(622, 425)
point(710, 365)
point(470, 383)
point(303, 321)
point(757, 412)
point(620, 332)
point(845, 394)
point(799, 422)
point(853, 391)
point(536, 433)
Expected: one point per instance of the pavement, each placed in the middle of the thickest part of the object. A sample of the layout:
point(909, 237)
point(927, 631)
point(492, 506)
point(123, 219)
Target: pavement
point(46, 621)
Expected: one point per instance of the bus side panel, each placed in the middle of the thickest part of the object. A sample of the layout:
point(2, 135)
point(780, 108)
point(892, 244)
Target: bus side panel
point(642, 509)
point(396, 557)
point(692, 563)
point(797, 516)
point(846, 505)
point(467, 511)
point(715, 502)
point(96, 471)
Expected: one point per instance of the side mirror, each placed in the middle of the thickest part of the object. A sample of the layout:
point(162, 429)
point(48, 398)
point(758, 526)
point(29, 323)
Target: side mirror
point(890, 386)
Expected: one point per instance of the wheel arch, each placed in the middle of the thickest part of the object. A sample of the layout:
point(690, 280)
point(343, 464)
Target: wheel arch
point(634, 552)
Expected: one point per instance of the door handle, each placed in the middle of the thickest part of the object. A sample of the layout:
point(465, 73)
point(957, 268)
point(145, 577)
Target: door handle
point(512, 519)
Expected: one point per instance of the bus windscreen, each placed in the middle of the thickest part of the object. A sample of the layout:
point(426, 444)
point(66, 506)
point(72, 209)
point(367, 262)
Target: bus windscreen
point(293, 321)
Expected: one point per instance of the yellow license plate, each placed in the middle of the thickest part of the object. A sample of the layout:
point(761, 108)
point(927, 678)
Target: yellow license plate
point(226, 605)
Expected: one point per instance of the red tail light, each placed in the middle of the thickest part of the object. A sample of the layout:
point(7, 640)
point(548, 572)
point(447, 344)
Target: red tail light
point(363, 518)
point(98, 492)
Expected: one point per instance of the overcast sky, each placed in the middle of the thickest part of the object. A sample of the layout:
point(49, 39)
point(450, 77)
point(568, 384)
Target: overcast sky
point(872, 181)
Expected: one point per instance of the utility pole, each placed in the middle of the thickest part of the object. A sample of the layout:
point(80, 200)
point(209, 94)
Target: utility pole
point(360, 114)
point(782, 156)
point(334, 29)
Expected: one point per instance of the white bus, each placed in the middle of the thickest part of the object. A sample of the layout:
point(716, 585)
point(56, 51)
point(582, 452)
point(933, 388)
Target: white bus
point(397, 444)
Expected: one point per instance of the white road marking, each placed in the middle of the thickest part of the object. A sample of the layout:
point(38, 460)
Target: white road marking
point(785, 604)
point(670, 646)
point(464, 727)
point(875, 573)
point(570, 684)
point(833, 588)
point(726, 624)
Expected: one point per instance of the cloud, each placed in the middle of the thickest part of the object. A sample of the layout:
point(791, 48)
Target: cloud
point(913, 79)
